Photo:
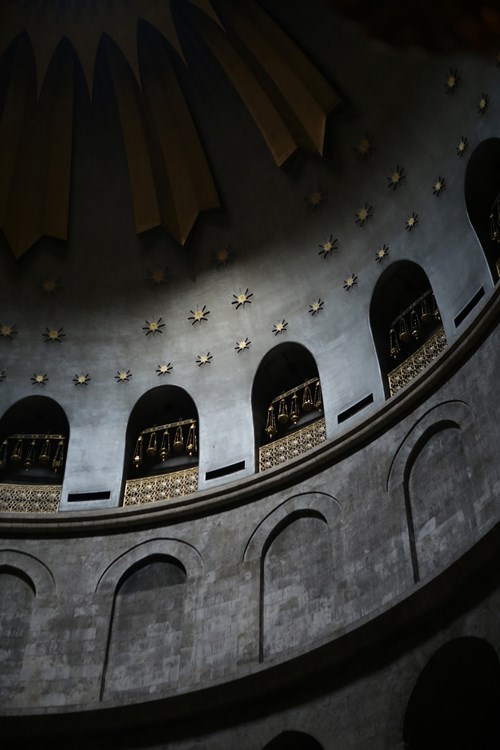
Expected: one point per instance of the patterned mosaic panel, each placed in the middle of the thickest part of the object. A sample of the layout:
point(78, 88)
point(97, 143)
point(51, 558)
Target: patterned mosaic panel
point(414, 365)
point(29, 498)
point(163, 487)
point(293, 445)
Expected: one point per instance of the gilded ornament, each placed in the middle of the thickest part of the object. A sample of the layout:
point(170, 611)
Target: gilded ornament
point(158, 276)
point(82, 379)
point(382, 253)
point(39, 379)
point(199, 316)
point(223, 257)
point(54, 335)
point(164, 369)
point(364, 147)
point(153, 326)
point(204, 359)
point(316, 307)
point(49, 285)
point(350, 281)
point(327, 247)
point(396, 178)
point(439, 186)
point(242, 299)
point(452, 81)
point(462, 146)
point(363, 214)
point(242, 345)
point(483, 103)
point(316, 197)
point(123, 376)
point(280, 326)
point(411, 222)
point(8, 332)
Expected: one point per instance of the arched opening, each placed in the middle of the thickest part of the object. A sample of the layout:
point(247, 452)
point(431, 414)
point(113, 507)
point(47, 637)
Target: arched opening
point(406, 324)
point(286, 403)
point(454, 704)
point(482, 198)
point(34, 435)
point(162, 442)
point(293, 741)
point(17, 597)
point(145, 631)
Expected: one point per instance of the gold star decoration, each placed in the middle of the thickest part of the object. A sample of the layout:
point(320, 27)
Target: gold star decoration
point(351, 281)
point(452, 81)
point(49, 285)
point(8, 332)
point(164, 369)
point(153, 326)
point(364, 147)
point(363, 214)
point(3, 375)
point(382, 253)
point(327, 247)
point(158, 276)
point(123, 376)
point(482, 104)
point(462, 146)
point(439, 186)
point(198, 316)
point(223, 257)
point(39, 378)
point(243, 298)
point(53, 335)
point(411, 222)
point(279, 327)
point(316, 307)
point(82, 379)
point(242, 345)
point(396, 178)
point(204, 359)
point(316, 197)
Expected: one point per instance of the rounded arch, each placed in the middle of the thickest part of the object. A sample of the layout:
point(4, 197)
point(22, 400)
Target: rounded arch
point(34, 435)
point(403, 315)
point(285, 367)
point(29, 568)
point(293, 740)
point(454, 703)
point(482, 190)
point(173, 445)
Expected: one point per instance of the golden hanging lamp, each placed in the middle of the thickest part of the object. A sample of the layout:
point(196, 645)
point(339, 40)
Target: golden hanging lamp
point(151, 449)
point(394, 347)
point(415, 324)
point(58, 459)
point(191, 440)
point(271, 423)
point(318, 397)
point(44, 456)
point(425, 313)
point(178, 440)
point(282, 412)
point(294, 409)
point(165, 446)
point(17, 453)
point(307, 402)
point(137, 460)
point(404, 334)
point(30, 456)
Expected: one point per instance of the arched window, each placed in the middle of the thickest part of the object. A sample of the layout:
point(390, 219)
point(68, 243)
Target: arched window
point(454, 704)
point(162, 443)
point(293, 741)
point(406, 324)
point(34, 435)
point(287, 405)
point(482, 198)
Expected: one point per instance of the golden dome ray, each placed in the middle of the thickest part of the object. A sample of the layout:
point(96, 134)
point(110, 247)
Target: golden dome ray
point(274, 130)
point(304, 116)
point(144, 197)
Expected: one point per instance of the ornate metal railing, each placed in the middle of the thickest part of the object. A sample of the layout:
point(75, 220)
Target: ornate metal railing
point(29, 498)
point(161, 487)
point(292, 445)
point(419, 360)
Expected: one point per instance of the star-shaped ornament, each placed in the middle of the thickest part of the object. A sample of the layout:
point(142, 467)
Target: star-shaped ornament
point(123, 376)
point(164, 369)
point(54, 335)
point(462, 146)
point(241, 299)
point(280, 326)
point(439, 186)
point(482, 104)
point(363, 214)
point(364, 147)
point(396, 178)
point(223, 257)
point(153, 326)
point(327, 247)
point(204, 359)
point(198, 316)
point(49, 285)
point(452, 81)
point(8, 332)
point(351, 281)
point(158, 276)
point(82, 379)
point(316, 197)
point(39, 378)
point(316, 307)
point(382, 253)
point(242, 345)
point(411, 222)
